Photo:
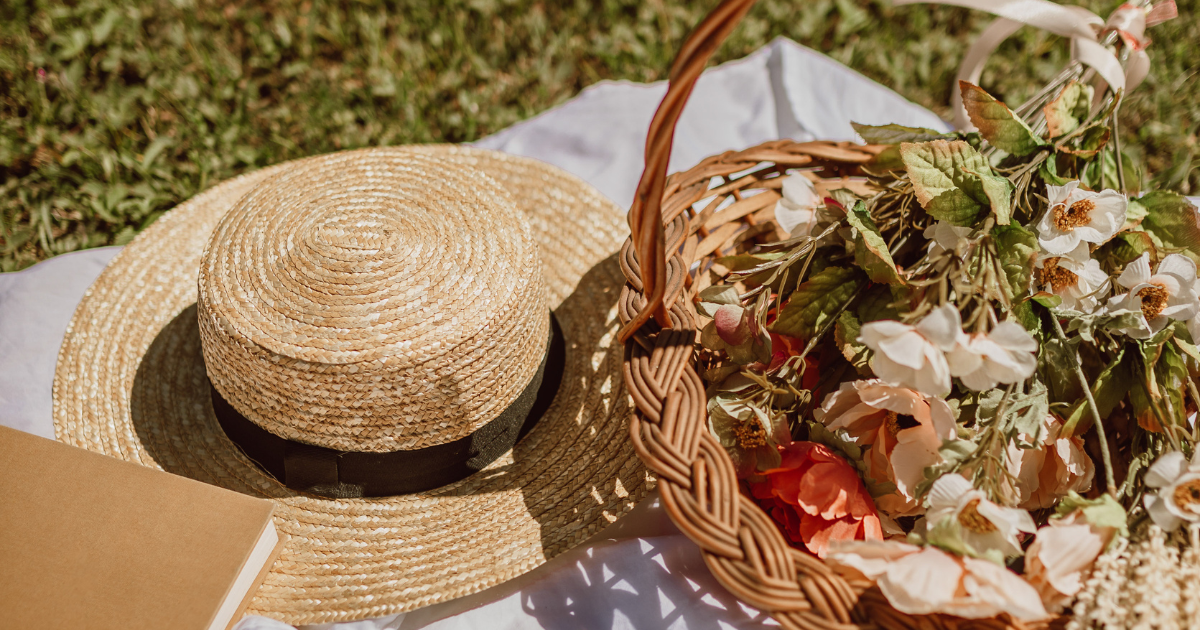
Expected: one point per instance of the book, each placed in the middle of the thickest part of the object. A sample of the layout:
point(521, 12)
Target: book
point(90, 541)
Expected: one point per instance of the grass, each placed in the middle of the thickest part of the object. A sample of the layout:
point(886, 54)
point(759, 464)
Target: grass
point(110, 115)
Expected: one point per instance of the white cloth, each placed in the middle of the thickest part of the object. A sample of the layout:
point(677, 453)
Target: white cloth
point(641, 572)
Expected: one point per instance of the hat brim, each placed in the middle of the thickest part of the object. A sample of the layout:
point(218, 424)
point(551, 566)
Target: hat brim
point(131, 383)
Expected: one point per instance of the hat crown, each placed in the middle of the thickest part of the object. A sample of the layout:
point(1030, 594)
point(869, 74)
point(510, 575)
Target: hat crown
point(374, 300)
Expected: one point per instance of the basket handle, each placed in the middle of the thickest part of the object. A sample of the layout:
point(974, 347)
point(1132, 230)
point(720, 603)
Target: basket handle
point(645, 215)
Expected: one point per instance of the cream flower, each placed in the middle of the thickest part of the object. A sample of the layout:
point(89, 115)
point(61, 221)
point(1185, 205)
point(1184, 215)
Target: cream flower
point(903, 428)
point(914, 356)
point(944, 236)
point(795, 212)
point(1006, 354)
point(923, 581)
point(1178, 496)
point(1062, 555)
point(1079, 215)
point(1075, 277)
point(981, 524)
point(1048, 473)
point(1168, 294)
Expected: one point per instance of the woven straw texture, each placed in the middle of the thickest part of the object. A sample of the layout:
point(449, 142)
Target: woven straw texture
point(357, 303)
point(131, 383)
point(680, 225)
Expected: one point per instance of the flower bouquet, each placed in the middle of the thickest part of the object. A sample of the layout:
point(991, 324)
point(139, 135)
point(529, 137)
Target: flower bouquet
point(964, 379)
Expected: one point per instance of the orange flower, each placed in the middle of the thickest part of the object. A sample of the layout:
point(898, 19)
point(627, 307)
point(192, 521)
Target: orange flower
point(1047, 473)
point(816, 497)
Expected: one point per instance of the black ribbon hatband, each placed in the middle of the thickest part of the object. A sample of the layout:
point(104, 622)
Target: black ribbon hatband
point(348, 474)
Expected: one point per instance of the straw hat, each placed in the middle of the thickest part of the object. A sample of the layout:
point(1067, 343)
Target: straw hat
point(362, 337)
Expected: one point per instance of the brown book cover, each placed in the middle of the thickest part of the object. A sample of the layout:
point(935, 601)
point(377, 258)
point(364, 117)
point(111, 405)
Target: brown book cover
point(90, 541)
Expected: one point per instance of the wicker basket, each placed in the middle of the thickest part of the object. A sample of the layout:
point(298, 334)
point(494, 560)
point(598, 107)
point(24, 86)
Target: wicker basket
point(722, 206)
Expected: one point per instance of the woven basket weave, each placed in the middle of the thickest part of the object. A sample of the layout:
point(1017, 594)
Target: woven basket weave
point(723, 206)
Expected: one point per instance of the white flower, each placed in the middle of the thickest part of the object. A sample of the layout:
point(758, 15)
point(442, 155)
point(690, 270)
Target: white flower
point(982, 525)
point(1007, 354)
point(914, 356)
point(945, 237)
point(1075, 277)
point(1168, 294)
point(796, 211)
point(1178, 496)
point(923, 581)
point(1079, 215)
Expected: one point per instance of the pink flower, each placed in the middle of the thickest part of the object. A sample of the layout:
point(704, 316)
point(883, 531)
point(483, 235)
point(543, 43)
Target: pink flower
point(924, 581)
point(1046, 474)
point(1064, 551)
point(816, 497)
point(904, 429)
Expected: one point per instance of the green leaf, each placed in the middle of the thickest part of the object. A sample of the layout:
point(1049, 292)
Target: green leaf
point(876, 303)
point(946, 179)
point(1024, 413)
point(1171, 221)
point(1088, 143)
point(1049, 300)
point(1086, 324)
point(895, 134)
point(956, 450)
point(814, 303)
point(710, 339)
point(160, 143)
point(1125, 248)
point(997, 123)
point(1103, 511)
point(1107, 390)
point(845, 197)
point(887, 160)
point(1027, 317)
point(1049, 172)
point(999, 193)
point(1185, 347)
point(845, 336)
point(870, 250)
point(1101, 172)
point(1069, 109)
point(1029, 410)
point(742, 262)
point(1017, 248)
point(721, 294)
point(1052, 367)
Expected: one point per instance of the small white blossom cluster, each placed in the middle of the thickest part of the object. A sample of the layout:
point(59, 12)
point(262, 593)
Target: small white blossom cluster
point(1144, 585)
point(925, 357)
point(1079, 219)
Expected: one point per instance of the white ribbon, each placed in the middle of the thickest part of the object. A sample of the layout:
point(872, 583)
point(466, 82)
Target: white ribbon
point(1080, 25)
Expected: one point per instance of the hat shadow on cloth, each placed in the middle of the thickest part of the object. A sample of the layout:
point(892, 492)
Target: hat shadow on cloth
point(598, 386)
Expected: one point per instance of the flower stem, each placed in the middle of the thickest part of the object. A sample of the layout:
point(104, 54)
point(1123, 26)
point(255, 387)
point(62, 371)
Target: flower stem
point(1196, 399)
point(1116, 137)
point(1109, 479)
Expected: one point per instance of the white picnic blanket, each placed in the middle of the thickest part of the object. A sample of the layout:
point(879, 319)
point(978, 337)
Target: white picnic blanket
point(641, 572)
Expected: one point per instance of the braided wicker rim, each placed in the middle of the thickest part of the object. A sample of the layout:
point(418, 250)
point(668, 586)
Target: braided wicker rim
point(680, 225)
